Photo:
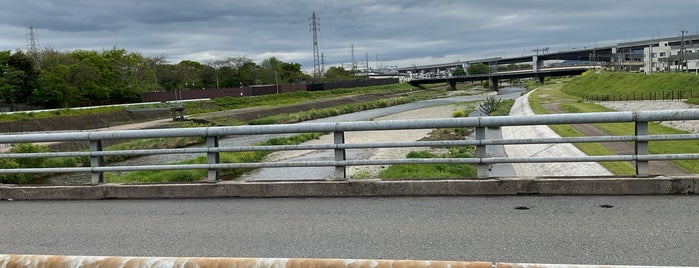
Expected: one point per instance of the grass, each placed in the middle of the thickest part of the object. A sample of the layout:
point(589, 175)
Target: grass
point(433, 171)
point(228, 103)
point(558, 93)
point(56, 113)
point(438, 171)
point(197, 175)
point(630, 84)
point(221, 104)
point(344, 109)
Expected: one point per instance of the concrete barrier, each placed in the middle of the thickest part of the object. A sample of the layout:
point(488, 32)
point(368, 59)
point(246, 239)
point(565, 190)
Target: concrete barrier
point(29, 261)
point(56, 261)
point(538, 265)
point(358, 188)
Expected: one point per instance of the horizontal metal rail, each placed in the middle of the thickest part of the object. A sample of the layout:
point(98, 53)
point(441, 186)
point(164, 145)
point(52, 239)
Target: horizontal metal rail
point(212, 150)
point(446, 143)
point(346, 163)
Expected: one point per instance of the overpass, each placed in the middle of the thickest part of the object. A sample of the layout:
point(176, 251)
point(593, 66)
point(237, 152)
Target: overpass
point(493, 78)
point(623, 54)
point(597, 55)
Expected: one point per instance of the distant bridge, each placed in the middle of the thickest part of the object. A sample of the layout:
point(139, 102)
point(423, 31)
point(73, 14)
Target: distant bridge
point(621, 54)
point(493, 78)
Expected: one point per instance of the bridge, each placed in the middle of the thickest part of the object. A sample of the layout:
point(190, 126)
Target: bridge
point(213, 165)
point(621, 54)
point(493, 78)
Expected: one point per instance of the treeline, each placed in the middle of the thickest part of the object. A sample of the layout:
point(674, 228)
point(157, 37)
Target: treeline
point(54, 79)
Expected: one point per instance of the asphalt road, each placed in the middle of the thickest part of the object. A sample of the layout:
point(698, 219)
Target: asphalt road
point(636, 230)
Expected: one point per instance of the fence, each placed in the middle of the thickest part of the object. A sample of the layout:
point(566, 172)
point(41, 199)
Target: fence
point(97, 167)
point(662, 95)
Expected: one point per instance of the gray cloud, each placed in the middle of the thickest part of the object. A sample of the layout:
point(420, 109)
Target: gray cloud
point(398, 32)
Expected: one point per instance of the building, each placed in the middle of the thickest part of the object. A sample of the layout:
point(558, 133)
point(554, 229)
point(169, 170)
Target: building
point(671, 56)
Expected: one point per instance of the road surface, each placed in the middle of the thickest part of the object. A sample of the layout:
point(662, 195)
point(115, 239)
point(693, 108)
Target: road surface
point(635, 230)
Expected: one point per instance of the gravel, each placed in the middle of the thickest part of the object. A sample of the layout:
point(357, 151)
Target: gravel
point(520, 108)
point(691, 125)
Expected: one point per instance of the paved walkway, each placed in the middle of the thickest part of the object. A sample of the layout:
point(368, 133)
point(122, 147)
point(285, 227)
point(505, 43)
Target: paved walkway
point(521, 107)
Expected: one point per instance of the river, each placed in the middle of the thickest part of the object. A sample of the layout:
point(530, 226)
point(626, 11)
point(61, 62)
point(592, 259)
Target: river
point(317, 173)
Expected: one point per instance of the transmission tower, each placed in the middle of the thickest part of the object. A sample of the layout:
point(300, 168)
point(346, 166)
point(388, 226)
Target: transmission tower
point(316, 57)
point(31, 44)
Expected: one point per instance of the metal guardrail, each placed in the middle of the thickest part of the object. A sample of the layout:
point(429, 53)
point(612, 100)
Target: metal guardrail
point(212, 150)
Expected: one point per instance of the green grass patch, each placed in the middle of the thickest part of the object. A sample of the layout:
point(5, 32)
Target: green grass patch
point(433, 171)
point(618, 168)
point(197, 175)
point(628, 85)
point(344, 109)
point(503, 108)
point(56, 113)
point(572, 104)
point(228, 103)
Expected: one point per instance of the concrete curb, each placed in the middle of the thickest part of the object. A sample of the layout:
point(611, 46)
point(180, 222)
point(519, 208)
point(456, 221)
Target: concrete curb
point(137, 262)
point(359, 188)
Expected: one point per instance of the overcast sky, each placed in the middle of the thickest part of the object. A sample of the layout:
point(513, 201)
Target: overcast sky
point(399, 33)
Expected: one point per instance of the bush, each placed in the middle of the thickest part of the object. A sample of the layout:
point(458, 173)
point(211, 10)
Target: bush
point(458, 113)
point(11, 178)
point(29, 148)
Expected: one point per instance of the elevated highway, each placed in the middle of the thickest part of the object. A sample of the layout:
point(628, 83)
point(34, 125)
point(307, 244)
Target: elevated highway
point(493, 78)
point(622, 53)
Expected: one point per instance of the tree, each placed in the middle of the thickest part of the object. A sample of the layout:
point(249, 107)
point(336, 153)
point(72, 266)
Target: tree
point(17, 77)
point(272, 68)
point(276, 71)
point(53, 90)
point(335, 74)
point(478, 68)
point(458, 71)
point(250, 74)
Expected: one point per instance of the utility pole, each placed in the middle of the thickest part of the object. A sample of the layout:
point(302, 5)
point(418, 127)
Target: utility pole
point(377, 61)
point(682, 52)
point(366, 59)
point(650, 56)
point(316, 58)
point(354, 63)
point(544, 50)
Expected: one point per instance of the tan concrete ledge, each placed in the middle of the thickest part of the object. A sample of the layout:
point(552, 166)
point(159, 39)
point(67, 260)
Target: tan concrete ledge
point(358, 188)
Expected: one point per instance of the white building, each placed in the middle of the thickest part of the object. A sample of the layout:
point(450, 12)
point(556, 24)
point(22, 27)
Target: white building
point(662, 57)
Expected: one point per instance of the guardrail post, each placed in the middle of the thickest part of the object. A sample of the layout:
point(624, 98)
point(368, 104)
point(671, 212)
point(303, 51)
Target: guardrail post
point(482, 169)
point(96, 161)
point(641, 148)
point(213, 174)
point(340, 155)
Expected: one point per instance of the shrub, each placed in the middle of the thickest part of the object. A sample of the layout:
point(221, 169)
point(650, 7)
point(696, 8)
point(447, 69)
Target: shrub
point(490, 105)
point(29, 148)
point(11, 178)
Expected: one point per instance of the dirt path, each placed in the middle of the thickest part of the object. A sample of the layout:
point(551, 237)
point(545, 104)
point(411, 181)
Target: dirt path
point(620, 148)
